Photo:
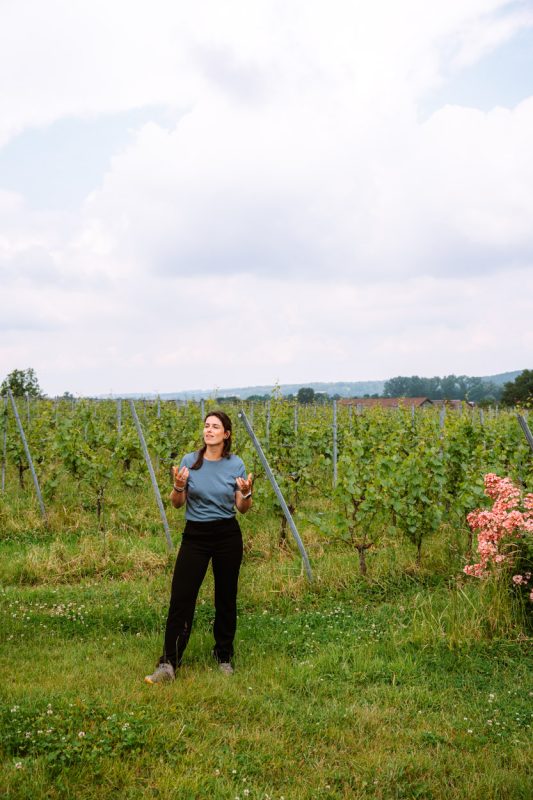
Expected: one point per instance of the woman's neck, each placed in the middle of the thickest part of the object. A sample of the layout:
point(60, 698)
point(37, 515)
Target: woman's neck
point(214, 452)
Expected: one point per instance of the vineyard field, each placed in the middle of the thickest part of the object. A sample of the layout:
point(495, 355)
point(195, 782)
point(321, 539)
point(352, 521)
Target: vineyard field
point(390, 675)
point(413, 471)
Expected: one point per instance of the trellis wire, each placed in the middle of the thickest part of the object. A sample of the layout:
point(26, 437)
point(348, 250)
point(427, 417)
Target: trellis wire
point(278, 493)
point(28, 454)
point(152, 474)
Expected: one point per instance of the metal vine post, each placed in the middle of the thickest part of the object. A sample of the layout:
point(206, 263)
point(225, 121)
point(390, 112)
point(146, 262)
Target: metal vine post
point(525, 428)
point(277, 490)
point(4, 446)
point(119, 417)
point(334, 443)
point(155, 487)
point(28, 454)
point(267, 426)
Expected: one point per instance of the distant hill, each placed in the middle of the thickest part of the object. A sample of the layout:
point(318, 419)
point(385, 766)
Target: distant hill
point(503, 377)
point(342, 388)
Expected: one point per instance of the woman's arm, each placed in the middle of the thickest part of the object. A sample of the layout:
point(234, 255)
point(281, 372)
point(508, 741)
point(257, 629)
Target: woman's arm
point(178, 495)
point(178, 499)
point(243, 495)
point(243, 505)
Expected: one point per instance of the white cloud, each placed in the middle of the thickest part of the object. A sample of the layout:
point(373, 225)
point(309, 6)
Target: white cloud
point(299, 221)
point(457, 198)
point(478, 40)
point(75, 57)
point(236, 190)
point(156, 336)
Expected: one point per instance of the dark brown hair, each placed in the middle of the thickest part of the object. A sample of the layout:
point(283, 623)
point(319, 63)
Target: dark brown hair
point(226, 424)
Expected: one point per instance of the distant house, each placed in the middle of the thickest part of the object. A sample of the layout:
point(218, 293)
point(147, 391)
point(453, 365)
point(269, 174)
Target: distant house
point(387, 402)
point(454, 405)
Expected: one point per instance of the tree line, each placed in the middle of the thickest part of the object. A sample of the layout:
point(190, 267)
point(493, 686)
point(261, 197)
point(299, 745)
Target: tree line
point(448, 387)
point(24, 382)
point(463, 387)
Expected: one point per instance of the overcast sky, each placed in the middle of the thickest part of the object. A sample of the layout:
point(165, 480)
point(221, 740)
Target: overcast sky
point(211, 194)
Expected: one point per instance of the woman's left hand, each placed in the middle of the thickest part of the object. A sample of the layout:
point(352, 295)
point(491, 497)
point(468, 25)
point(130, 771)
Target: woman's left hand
point(244, 485)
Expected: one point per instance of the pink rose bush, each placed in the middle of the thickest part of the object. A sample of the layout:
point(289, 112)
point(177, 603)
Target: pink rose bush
point(501, 530)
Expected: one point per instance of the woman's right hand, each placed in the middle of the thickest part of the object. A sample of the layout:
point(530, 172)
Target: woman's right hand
point(180, 477)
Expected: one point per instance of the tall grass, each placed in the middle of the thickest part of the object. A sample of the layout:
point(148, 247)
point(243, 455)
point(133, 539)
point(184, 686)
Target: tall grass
point(412, 682)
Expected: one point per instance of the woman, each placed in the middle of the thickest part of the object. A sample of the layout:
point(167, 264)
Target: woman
point(211, 482)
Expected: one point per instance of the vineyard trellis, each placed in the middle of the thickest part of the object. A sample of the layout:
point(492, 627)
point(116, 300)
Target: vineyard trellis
point(350, 475)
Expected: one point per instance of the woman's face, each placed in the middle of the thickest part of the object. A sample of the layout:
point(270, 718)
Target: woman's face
point(214, 432)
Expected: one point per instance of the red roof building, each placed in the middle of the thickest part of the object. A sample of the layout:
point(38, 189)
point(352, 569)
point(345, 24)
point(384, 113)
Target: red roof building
point(387, 402)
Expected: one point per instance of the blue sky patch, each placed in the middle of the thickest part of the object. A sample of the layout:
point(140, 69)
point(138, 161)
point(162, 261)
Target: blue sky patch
point(503, 78)
point(56, 167)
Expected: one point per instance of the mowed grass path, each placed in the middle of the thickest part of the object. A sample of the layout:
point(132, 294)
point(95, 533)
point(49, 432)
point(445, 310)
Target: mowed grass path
point(341, 691)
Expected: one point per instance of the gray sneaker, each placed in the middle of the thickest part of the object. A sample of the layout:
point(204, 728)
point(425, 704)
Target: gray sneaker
point(225, 667)
point(162, 673)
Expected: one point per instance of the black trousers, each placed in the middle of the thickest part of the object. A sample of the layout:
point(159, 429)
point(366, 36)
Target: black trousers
point(218, 541)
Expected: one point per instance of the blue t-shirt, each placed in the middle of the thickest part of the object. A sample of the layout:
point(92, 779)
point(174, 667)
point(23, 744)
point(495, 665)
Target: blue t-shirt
point(211, 489)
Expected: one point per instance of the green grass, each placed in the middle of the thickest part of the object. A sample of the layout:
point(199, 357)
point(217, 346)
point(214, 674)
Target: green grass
point(331, 698)
point(413, 683)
